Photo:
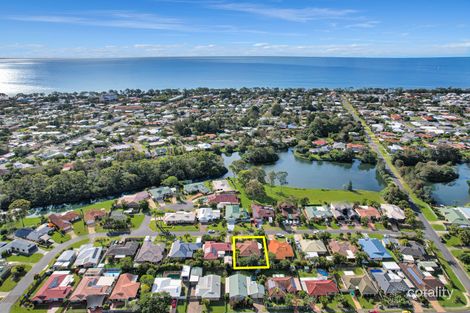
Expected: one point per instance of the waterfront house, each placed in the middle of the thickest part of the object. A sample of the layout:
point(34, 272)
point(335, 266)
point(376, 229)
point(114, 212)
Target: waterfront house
point(133, 201)
point(161, 193)
point(223, 198)
point(343, 211)
point(318, 213)
point(94, 215)
point(221, 186)
point(393, 212)
point(262, 213)
point(195, 188)
point(367, 211)
point(234, 213)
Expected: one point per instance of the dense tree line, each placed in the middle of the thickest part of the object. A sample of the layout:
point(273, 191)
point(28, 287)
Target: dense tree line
point(260, 155)
point(441, 154)
point(100, 180)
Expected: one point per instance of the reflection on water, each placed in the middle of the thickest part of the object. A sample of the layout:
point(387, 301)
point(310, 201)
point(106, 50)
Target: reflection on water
point(321, 174)
point(455, 192)
point(19, 76)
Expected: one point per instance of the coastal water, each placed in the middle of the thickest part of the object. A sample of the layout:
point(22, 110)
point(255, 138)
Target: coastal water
point(320, 174)
point(47, 75)
point(456, 192)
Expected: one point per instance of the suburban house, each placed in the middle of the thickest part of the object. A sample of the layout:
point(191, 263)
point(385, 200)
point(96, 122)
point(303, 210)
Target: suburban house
point(221, 186)
point(133, 201)
point(161, 193)
point(290, 212)
point(389, 282)
point(121, 250)
point(223, 198)
point(422, 280)
point(170, 285)
point(239, 286)
point(454, 216)
point(374, 249)
point(215, 250)
point(312, 248)
point(343, 211)
point(195, 188)
point(92, 290)
point(126, 288)
point(150, 252)
point(94, 215)
point(183, 250)
point(359, 283)
point(279, 287)
point(344, 248)
point(281, 249)
point(207, 215)
point(209, 287)
point(233, 213)
point(393, 212)
point(65, 259)
point(249, 248)
point(56, 288)
point(179, 217)
point(318, 288)
point(412, 251)
point(88, 256)
point(40, 234)
point(19, 246)
point(64, 222)
point(262, 213)
point(318, 213)
point(367, 211)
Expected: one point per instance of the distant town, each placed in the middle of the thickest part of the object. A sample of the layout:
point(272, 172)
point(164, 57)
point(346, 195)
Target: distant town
point(228, 200)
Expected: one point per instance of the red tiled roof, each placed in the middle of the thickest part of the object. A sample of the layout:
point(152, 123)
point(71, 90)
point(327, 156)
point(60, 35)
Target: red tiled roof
point(211, 249)
point(261, 212)
point(126, 288)
point(321, 287)
point(368, 212)
point(221, 198)
point(92, 215)
point(52, 289)
point(248, 248)
point(59, 222)
point(281, 250)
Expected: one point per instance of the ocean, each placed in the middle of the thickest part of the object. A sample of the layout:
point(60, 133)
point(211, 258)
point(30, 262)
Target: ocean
point(47, 75)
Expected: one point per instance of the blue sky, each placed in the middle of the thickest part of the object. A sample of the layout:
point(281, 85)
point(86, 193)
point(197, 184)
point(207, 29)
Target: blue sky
point(123, 28)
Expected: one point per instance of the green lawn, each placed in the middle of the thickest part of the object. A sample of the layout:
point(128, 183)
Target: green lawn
point(9, 283)
point(318, 196)
point(245, 201)
point(79, 243)
point(34, 258)
point(99, 205)
point(217, 227)
point(438, 227)
point(173, 228)
point(79, 228)
point(454, 241)
point(58, 237)
point(28, 222)
point(136, 220)
point(367, 303)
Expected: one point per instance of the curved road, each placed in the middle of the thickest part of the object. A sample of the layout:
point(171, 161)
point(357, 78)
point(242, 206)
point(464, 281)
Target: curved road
point(429, 232)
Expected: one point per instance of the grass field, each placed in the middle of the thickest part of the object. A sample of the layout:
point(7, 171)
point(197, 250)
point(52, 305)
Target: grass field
point(79, 243)
point(319, 196)
point(179, 228)
point(79, 228)
point(58, 237)
point(136, 220)
point(16, 308)
point(34, 258)
point(438, 227)
point(9, 283)
point(98, 205)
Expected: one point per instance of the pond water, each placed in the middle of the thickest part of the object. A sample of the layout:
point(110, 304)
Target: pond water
point(455, 192)
point(320, 174)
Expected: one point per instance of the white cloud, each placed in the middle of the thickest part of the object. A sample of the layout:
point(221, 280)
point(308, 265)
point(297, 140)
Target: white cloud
point(287, 14)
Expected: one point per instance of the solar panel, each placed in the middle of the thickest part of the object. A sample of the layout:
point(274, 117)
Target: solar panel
point(54, 283)
point(415, 276)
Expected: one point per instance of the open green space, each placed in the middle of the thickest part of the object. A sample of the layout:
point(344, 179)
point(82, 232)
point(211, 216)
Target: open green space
point(34, 258)
point(59, 237)
point(9, 283)
point(136, 220)
point(79, 228)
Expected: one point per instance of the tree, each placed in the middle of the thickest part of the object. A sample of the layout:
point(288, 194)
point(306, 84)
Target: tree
point(349, 186)
point(19, 208)
point(276, 109)
point(155, 302)
point(282, 178)
point(254, 189)
point(170, 181)
point(272, 176)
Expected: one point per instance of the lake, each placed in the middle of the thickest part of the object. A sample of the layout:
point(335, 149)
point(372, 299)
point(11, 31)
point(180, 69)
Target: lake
point(47, 75)
point(320, 174)
point(456, 192)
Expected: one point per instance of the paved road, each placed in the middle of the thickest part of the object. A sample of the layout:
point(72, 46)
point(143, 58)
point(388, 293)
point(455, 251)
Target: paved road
point(429, 232)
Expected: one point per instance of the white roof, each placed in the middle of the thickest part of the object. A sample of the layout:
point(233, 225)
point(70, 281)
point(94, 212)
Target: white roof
point(166, 284)
point(393, 266)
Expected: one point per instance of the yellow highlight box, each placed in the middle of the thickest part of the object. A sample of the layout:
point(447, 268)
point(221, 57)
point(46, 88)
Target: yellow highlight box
point(265, 249)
